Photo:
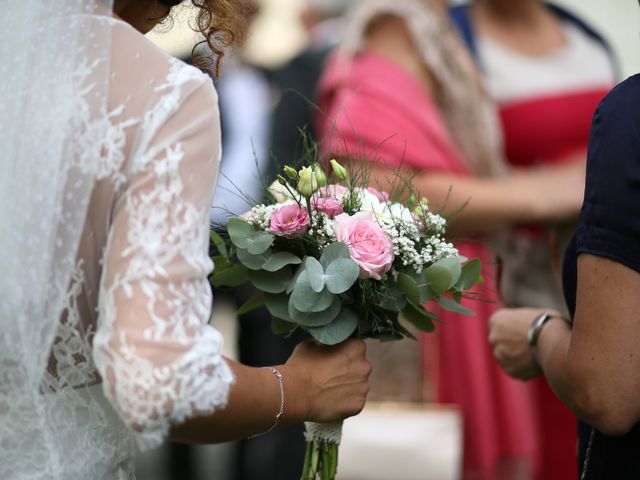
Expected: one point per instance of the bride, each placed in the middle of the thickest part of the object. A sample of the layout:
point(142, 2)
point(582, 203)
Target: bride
point(110, 152)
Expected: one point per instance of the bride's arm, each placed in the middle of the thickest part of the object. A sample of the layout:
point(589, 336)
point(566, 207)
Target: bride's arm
point(320, 384)
point(159, 359)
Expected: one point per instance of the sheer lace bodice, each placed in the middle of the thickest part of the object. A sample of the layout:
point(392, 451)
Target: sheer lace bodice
point(133, 351)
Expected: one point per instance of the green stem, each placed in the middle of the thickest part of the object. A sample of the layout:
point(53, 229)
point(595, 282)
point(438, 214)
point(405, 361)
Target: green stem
point(307, 462)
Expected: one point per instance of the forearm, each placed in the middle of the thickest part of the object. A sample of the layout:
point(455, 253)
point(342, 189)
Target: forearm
point(476, 206)
point(479, 206)
point(254, 402)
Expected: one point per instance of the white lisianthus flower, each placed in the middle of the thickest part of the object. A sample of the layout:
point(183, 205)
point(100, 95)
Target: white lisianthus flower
point(368, 201)
point(280, 192)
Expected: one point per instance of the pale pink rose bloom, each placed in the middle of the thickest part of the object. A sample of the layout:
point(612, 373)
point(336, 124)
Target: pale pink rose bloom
point(328, 205)
point(334, 190)
point(369, 246)
point(289, 221)
point(382, 196)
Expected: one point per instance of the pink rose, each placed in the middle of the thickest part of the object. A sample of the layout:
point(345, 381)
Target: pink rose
point(333, 190)
point(289, 221)
point(369, 246)
point(328, 205)
point(382, 196)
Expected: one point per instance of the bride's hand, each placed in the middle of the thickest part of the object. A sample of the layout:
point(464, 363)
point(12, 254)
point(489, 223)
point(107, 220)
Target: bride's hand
point(327, 383)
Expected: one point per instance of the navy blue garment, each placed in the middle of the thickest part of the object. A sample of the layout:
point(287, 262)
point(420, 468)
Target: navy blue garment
point(609, 227)
point(460, 17)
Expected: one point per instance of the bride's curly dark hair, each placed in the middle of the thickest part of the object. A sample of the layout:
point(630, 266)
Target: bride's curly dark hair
point(221, 22)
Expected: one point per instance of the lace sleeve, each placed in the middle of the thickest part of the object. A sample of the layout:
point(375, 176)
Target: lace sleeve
point(159, 360)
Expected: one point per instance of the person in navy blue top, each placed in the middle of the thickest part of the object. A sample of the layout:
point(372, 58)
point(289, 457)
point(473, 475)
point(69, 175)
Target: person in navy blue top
point(593, 362)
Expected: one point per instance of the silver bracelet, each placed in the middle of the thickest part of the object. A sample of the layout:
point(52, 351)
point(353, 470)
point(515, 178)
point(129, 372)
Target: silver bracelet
point(276, 420)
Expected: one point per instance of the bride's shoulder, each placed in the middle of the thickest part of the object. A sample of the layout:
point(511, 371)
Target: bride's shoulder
point(144, 67)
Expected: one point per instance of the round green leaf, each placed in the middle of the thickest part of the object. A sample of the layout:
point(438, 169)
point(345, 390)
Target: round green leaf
point(453, 265)
point(305, 299)
point(333, 252)
point(294, 280)
point(315, 319)
point(408, 286)
point(340, 329)
point(271, 282)
point(341, 274)
point(252, 262)
point(239, 232)
point(438, 278)
point(315, 274)
point(259, 243)
point(278, 305)
point(279, 260)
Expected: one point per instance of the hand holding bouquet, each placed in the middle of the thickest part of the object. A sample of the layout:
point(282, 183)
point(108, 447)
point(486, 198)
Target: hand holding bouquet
point(341, 260)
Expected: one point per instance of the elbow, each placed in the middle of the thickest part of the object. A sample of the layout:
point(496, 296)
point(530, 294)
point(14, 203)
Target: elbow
point(605, 409)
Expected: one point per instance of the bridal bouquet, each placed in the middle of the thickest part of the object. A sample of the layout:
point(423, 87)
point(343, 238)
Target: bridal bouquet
point(339, 260)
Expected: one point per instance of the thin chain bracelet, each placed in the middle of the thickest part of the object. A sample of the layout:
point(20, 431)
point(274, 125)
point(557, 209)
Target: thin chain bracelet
point(276, 421)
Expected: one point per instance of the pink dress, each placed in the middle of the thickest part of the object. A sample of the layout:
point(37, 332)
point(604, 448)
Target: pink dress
point(374, 108)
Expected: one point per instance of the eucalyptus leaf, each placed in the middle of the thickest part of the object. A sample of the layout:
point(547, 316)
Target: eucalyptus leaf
point(333, 252)
point(453, 265)
point(305, 299)
point(271, 282)
point(239, 232)
point(278, 305)
point(294, 280)
point(315, 319)
point(315, 274)
point(419, 317)
point(217, 240)
point(470, 274)
point(251, 305)
point(438, 278)
point(230, 277)
point(259, 242)
point(341, 274)
point(252, 262)
point(408, 286)
point(453, 306)
point(282, 327)
point(340, 329)
point(279, 260)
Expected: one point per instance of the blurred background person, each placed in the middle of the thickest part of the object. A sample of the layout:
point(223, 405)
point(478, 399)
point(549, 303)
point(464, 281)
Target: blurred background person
point(297, 80)
point(547, 71)
point(404, 92)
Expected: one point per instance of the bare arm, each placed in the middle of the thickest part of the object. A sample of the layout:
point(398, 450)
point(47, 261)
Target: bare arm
point(484, 205)
point(321, 384)
point(595, 369)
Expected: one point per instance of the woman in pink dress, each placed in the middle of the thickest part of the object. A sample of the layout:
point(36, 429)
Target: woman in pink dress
point(402, 92)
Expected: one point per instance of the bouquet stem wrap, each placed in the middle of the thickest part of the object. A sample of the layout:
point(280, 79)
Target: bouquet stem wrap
point(321, 458)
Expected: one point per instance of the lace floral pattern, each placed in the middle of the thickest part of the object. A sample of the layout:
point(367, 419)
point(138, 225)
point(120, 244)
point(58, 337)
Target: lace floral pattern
point(133, 352)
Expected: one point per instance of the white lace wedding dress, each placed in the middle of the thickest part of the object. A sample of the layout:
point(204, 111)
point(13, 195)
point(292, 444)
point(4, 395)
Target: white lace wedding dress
point(133, 351)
